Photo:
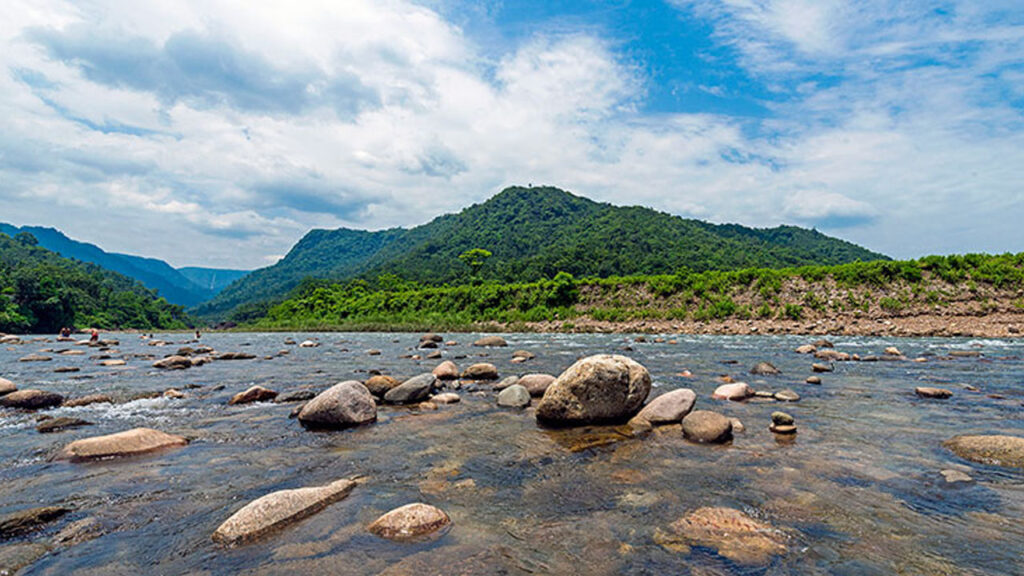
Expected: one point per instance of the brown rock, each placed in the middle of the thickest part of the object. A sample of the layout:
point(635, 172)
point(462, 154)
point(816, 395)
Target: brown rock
point(735, 535)
point(764, 369)
point(707, 427)
point(113, 362)
point(60, 424)
point(998, 450)
point(236, 356)
point(254, 394)
point(821, 367)
point(736, 392)
point(343, 405)
point(491, 341)
point(6, 386)
point(669, 408)
point(26, 521)
point(806, 349)
point(173, 363)
point(929, 392)
point(525, 355)
point(128, 443)
point(446, 370)
point(813, 380)
point(380, 384)
point(481, 371)
point(410, 522)
point(832, 355)
point(597, 389)
point(536, 384)
point(446, 398)
point(31, 399)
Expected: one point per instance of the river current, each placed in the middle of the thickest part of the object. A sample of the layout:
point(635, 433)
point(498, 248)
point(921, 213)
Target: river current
point(858, 490)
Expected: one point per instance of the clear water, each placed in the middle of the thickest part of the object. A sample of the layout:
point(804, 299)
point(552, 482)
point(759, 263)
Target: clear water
point(859, 491)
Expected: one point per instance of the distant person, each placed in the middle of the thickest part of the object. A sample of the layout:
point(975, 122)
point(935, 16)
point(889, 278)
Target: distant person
point(94, 336)
point(65, 332)
point(198, 336)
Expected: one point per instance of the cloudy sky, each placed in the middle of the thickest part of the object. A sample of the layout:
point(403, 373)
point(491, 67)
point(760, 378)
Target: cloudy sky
point(217, 133)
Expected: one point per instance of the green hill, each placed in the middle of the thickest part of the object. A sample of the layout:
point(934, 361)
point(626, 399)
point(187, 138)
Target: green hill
point(532, 234)
point(41, 292)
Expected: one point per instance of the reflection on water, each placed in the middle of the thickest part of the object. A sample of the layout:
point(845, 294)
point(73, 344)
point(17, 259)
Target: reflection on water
point(859, 490)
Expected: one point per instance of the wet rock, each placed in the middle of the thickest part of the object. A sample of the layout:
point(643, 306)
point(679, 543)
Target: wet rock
point(764, 369)
point(707, 427)
point(427, 344)
point(113, 362)
point(173, 363)
point(525, 355)
point(35, 358)
point(787, 396)
point(491, 341)
point(410, 522)
point(893, 351)
point(380, 384)
point(289, 342)
point(431, 337)
point(411, 391)
point(515, 396)
point(59, 424)
point(821, 367)
point(446, 370)
point(732, 533)
point(782, 419)
point(832, 355)
point(998, 450)
point(823, 344)
point(129, 443)
point(26, 521)
point(764, 394)
point(536, 384)
point(66, 369)
point(806, 349)
point(235, 356)
point(481, 371)
point(309, 344)
point(253, 394)
point(669, 408)
point(31, 399)
point(737, 391)
point(373, 352)
point(343, 405)
point(6, 386)
point(279, 509)
point(929, 392)
point(954, 476)
point(174, 394)
point(506, 382)
point(78, 532)
point(737, 426)
point(296, 396)
point(596, 389)
point(813, 380)
point(964, 353)
point(17, 556)
point(446, 398)
point(10, 339)
point(433, 355)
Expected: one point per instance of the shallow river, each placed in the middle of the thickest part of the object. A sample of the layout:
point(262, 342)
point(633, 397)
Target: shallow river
point(858, 491)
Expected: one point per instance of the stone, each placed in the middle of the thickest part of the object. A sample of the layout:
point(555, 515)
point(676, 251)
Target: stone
point(113, 362)
point(954, 476)
point(784, 429)
point(431, 337)
point(35, 358)
point(279, 509)
point(598, 389)
point(309, 344)
point(78, 532)
point(6, 386)
point(66, 369)
point(87, 400)
point(427, 344)
point(253, 394)
point(822, 344)
point(732, 533)
point(536, 384)
point(737, 426)
point(380, 384)
point(787, 396)
point(806, 349)
point(173, 363)
point(669, 408)
point(129, 443)
point(410, 522)
point(446, 370)
point(343, 405)
point(515, 396)
point(831, 355)
point(491, 341)
point(436, 354)
point(524, 355)
point(505, 383)
point(707, 427)
point(17, 556)
point(30, 520)
point(736, 391)
point(929, 392)
point(296, 396)
point(31, 399)
point(373, 352)
point(813, 380)
point(893, 351)
point(964, 353)
point(764, 369)
point(411, 391)
point(446, 398)
point(174, 394)
point(235, 356)
point(59, 424)
point(821, 367)
point(481, 371)
point(998, 450)
point(782, 419)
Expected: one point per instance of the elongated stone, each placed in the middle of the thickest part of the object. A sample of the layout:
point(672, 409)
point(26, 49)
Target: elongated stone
point(279, 509)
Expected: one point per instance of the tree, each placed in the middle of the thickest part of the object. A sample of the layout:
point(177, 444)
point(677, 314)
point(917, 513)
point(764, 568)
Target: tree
point(475, 259)
point(26, 239)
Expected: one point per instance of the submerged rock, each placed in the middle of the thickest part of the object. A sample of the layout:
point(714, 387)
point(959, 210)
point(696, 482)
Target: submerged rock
point(669, 408)
point(410, 522)
point(31, 399)
point(278, 509)
point(411, 391)
point(515, 396)
point(343, 405)
point(481, 371)
point(536, 384)
point(707, 427)
point(30, 520)
point(446, 370)
point(597, 389)
point(128, 443)
point(491, 341)
point(929, 392)
point(296, 396)
point(998, 450)
point(59, 424)
point(253, 394)
point(736, 391)
point(787, 396)
point(764, 369)
point(732, 533)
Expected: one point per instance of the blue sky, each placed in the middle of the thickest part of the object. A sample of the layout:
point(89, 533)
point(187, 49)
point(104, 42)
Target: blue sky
point(207, 135)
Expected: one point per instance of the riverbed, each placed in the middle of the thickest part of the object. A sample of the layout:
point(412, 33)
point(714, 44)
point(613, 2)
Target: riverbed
point(858, 490)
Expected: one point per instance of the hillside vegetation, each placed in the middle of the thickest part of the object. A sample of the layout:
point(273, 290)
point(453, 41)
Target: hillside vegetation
point(972, 284)
point(41, 292)
point(532, 234)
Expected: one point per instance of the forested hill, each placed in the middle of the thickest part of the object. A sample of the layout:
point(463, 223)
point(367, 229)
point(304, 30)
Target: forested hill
point(41, 292)
point(532, 234)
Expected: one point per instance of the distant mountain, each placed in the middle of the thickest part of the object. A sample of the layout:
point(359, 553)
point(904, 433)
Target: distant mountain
point(172, 284)
point(534, 233)
point(211, 279)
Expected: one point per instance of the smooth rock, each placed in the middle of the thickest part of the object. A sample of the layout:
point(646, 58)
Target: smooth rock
point(787, 396)
point(736, 391)
point(893, 351)
point(343, 405)
point(78, 532)
point(128, 443)
point(173, 363)
point(431, 337)
point(66, 369)
point(737, 426)
point(296, 396)
point(525, 355)
point(669, 408)
point(446, 370)
point(782, 419)
point(515, 396)
point(505, 383)
point(278, 509)
point(813, 380)
point(596, 389)
point(707, 427)
point(536, 384)
point(954, 476)
point(31, 399)
point(411, 391)
point(174, 394)
point(87, 400)
point(929, 392)
point(491, 341)
point(831, 355)
point(380, 384)
point(764, 369)
point(235, 356)
point(253, 394)
point(309, 344)
point(821, 367)
point(6, 386)
point(59, 424)
point(35, 358)
point(732, 533)
point(481, 371)
point(806, 349)
point(998, 450)
point(412, 521)
point(822, 344)
point(783, 428)
point(14, 557)
point(30, 520)
point(446, 398)
point(113, 362)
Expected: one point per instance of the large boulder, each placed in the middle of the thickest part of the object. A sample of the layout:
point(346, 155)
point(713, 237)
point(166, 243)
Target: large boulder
point(278, 509)
point(707, 427)
point(481, 371)
point(669, 408)
point(446, 370)
point(536, 384)
point(736, 391)
point(31, 399)
point(998, 450)
point(601, 388)
point(491, 341)
point(410, 522)
point(6, 386)
point(129, 443)
point(343, 405)
point(379, 384)
point(173, 363)
point(413, 390)
point(253, 394)
point(515, 396)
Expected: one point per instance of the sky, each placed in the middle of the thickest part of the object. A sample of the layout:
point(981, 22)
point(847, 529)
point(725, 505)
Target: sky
point(218, 133)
